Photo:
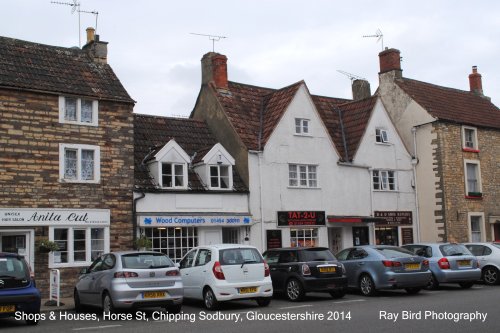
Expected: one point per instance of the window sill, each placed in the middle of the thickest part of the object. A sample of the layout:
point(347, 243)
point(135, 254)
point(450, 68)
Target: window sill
point(383, 143)
point(76, 181)
point(303, 188)
point(303, 135)
point(470, 150)
point(79, 123)
point(474, 197)
point(386, 191)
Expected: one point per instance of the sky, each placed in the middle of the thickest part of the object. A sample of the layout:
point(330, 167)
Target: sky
point(270, 43)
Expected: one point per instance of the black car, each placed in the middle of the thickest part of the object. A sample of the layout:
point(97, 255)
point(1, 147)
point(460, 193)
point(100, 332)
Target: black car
point(297, 271)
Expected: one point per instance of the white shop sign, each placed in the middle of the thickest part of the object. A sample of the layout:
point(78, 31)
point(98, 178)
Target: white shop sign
point(50, 217)
point(193, 220)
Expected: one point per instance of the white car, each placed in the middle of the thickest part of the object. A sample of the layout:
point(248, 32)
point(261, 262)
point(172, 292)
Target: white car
point(216, 273)
point(488, 255)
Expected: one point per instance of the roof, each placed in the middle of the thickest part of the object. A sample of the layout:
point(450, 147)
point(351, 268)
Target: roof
point(151, 133)
point(453, 105)
point(59, 70)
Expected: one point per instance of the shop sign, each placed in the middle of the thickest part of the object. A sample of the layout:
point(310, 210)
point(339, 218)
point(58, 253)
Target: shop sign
point(10, 217)
point(193, 220)
point(394, 218)
point(407, 234)
point(301, 218)
point(274, 240)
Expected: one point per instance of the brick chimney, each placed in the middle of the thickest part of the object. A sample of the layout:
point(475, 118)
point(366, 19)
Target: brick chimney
point(475, 82)
point(214, 69)
point(360, 89)
point(390, 60)
point(96, 49)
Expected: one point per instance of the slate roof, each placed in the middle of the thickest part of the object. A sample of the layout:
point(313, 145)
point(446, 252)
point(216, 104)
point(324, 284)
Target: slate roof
point(59, 70)
point(151, 133)
point(453, 105)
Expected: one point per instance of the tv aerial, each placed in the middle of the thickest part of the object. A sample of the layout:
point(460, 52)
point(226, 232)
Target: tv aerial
point(379, 35)
point(352, 77)
point(213, 38)
point(75, 7)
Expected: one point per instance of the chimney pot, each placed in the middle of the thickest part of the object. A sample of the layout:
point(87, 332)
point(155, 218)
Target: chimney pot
point(90, 34)
point(475, 82)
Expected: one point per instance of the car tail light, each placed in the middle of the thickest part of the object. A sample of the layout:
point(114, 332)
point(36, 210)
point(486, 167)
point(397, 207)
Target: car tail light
point(425, 262)
point(266, 269)
point(306, 270)
point(390, 263)
point(126, 275)
point(175, 272)
point(218, 273)
point(444, 263)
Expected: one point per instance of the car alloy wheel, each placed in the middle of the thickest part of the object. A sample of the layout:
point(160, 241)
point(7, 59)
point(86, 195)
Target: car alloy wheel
point(366, 285)
point(490, 275)
point(210, 300)
point(107, 304)
point(294, 290)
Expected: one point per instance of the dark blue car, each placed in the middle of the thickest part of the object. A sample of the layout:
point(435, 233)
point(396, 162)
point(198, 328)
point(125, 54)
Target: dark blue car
point(19, 296)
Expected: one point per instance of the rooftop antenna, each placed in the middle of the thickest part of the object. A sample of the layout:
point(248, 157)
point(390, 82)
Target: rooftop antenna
point(379, 35)
point(352, 77)
point(213, 38)
point(96, 13)
point(76, 7)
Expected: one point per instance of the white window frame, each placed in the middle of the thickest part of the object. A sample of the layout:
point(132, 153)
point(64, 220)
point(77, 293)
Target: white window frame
point(184, 175)
point(478, 175)
point(70, 248)
point(474, 138)
point(301, 237)
point(299, 179)
point(384, 185)
point(302, 126)
point(78, 121)
point(381, 136)
point(482, 226)
point(230, 177)
point(79, 148)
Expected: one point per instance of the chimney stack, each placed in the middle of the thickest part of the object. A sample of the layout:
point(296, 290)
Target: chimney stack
point(97, 50)
point(360, 89)
point(390, 60)
point(475, 82)
point(214, 69)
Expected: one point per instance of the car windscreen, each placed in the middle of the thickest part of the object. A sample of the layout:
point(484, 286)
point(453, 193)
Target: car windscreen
point(394, 252)
point(146, 261)
point(239, 256)
point(13, 267)
point(316, 255)
point(454, 250)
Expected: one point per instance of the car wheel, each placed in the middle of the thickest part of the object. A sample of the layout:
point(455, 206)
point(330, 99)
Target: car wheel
point(433, 283)
point(367, 286)
point(78, 304)
point(107, 304)
point(294, 290)
point(263, 301)
point(413, 291)
point(490, 275)
point(173, 308)
point(338, 293)
point(466, 285)
point(32, 322)
point(210, 300)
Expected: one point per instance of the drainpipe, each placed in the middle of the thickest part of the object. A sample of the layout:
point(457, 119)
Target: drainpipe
point(414, 162)
point(262, 231)
point(134, 216)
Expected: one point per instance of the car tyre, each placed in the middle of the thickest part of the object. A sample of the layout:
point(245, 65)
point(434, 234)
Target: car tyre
point(466, 285)
point(210, 300)
point(490, 275)
point(367, 286)
point(294, 290)
point(338, 293)
point(413, 291)
point(263, 301)
point(107, 304)
point(32, 322)
point(433, 283)
point(174, 308)
point(78, 304)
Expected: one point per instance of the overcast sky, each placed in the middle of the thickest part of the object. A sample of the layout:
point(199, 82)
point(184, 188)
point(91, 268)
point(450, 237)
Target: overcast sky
point(271, 43)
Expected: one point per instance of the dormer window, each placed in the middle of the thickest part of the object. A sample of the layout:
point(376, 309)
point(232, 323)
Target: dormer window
point(172, 175)
point(302, 126)
point(381, 136)
point(469, 141)
point(80, 111)
point(220, 176)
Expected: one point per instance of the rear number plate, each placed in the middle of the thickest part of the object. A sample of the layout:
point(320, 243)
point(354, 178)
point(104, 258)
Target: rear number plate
point(327, 269)
point(7, 308)
point(154, 294)
point(412, 267)
point(248, 290)
point(463, 263)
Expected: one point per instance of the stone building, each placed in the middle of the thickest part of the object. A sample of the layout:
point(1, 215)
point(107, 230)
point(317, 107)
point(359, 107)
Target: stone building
point(454, 137)
point(66, 156)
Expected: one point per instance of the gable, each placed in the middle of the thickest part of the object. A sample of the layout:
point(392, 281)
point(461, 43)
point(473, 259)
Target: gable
point(218, 155)
point(172, 152)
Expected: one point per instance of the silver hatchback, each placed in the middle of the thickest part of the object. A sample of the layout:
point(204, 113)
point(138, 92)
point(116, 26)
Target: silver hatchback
point(130, 280)
point(488, 255)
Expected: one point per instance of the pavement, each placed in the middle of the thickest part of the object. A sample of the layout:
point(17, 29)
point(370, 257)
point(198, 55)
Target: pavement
point(65, 304)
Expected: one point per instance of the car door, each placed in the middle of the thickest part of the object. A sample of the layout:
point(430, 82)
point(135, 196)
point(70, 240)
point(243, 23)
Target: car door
point(355, 265)
point(272, 259)
point(481, 252)
point(199, 271)
point(186, 268)
point(85, 280)
point(101, 279)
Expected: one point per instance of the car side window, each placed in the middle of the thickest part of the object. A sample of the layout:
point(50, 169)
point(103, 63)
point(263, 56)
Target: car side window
point(108, 262)
point(204, 256)
point(357, 254)
point(342, 255)
point(188, 259)
point(272, 257)
point(288, 256)
point(487, 251)
point(96, 266)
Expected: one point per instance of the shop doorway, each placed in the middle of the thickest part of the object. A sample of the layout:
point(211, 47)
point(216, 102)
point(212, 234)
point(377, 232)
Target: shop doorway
point(335, 239)
point(212, 237)
point(360, 236)
point(19, 242)
point(387, 236)
point(496, 232)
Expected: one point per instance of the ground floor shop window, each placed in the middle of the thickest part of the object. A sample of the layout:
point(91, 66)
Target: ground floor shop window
point(78, 246)
point(174, 241)
point(360, 236)
point(230, 235)
point(386, 236)
point(304, 237)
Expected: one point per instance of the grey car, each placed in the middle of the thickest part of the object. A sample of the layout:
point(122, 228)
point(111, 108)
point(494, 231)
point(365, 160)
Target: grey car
point(449, 263)
point(373, 267)
point(488, 255)
point(130, 280)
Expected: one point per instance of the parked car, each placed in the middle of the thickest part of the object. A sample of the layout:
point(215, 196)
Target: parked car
point(130, 280)
point(297, 271)
point(488, 255)
point(217, 273)
point(449, 263)
point(18, 291)
point(373, 267)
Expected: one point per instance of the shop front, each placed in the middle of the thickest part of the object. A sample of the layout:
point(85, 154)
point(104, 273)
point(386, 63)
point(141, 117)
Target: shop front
point(394, 228)
point(347, 231)
point(297, 229)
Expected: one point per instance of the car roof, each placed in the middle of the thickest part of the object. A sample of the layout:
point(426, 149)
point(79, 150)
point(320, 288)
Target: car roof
point(297, 248)
point(226, 246)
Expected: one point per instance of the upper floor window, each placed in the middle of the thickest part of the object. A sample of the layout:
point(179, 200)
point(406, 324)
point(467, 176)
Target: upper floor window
point(472, 179)
point(173, 175)
point(381, 136)
point(302, 126)
point(300, 175)
point(469, 138)
point(384, 180)
point(220, 176)
point(79, 163)
point(79, 111)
